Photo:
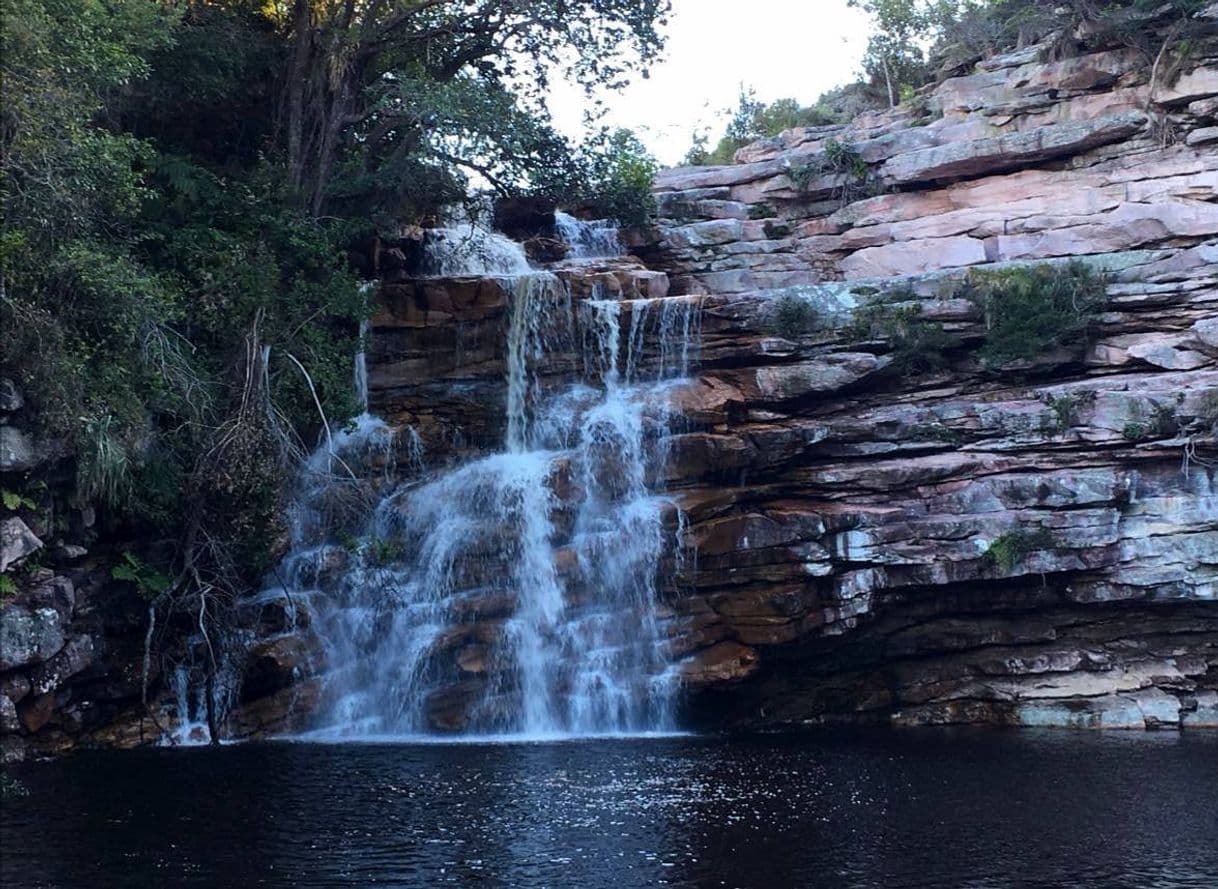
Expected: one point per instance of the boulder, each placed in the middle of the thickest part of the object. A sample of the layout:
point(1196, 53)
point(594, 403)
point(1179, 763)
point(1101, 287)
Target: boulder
point(18, 451)
point(28, 635)
point(17, 542)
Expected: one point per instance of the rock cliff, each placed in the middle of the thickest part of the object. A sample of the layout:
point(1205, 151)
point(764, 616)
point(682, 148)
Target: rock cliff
point(1035, 546)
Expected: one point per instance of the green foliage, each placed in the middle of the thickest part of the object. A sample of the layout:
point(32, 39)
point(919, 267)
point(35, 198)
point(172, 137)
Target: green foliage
point(837, 159)
point(1030, 310)
point(1207, 410)
point(14, 501)
point(1009, 549)
point(1065, 409)
point(1162, 422)
point(148, 582)
point(8, 586)
point(753, 120)
point(381, 551)
point(917, 344)
point(130, 276)
point(622, 175)
point(790, 316)
point(761, 211)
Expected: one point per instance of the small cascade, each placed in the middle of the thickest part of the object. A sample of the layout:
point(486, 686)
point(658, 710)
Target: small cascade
point(516, 594)
point(472, 250)
point(588, 239)
point(360, 381)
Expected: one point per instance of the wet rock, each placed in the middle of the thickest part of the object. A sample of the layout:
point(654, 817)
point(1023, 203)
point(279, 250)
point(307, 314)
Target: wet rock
point(721, 663)
point(522, 218)
point(278, 663)
point(11, 399)
point(17, 542)
point(28, 635)
point(36, 712)
point(473, 658)
point(287, 710)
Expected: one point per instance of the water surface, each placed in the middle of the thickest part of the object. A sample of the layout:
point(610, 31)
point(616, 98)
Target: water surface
point(844, 809)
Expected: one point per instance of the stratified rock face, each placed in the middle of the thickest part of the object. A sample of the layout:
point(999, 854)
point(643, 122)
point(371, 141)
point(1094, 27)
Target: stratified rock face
point(850, 522)
point(1032, 547)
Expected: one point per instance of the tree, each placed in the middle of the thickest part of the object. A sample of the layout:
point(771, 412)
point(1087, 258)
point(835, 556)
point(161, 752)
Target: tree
point(753, 119)
point(397, 79)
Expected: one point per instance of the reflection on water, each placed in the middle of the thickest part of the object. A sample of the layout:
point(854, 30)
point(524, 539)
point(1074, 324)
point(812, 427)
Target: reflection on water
point(858, 809)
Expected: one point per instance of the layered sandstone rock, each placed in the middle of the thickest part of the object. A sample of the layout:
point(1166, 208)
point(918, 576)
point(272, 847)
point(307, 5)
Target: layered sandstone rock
point(844, 516)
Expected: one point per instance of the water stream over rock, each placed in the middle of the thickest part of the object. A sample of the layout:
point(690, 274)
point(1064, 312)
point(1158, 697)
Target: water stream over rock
point(516, 593)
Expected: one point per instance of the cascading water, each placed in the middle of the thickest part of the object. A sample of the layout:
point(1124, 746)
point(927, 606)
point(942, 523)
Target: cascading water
point(588, 239)
point(516, 594)
point(472, 250)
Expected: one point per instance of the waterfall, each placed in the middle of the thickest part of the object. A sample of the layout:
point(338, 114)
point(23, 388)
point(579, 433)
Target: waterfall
point(361, 367)
point(515, 594)
point(588, 239)
point(472, 250)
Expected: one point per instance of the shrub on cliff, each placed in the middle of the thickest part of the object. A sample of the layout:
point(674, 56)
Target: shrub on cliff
point(791, 316)
point(752, 120)
point(1008, 550)
point(1032, 310)
point(622, 175)
point(917, 344)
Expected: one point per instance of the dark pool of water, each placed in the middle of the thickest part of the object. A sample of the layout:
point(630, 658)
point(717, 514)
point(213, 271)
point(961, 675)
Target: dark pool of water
point(858, 809)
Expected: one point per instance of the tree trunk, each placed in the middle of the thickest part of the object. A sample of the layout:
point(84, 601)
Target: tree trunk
point(296, 85)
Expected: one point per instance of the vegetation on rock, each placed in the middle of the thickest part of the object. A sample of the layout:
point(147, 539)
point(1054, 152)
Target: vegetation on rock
point(753, 119)
point(1008, 550)
point(791, 316)
point(914, 42)
point(917, 344)
point(1031, 310)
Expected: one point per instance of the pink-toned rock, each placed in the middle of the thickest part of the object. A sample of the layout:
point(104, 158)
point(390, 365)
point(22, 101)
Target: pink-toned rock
point(914, 257)
point(721, 663)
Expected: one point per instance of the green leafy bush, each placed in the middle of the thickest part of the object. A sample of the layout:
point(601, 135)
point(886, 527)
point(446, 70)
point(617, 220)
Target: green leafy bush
point(843, 161)
point(752, 120)
point(1030, 310)
point(1009, 549)
point(147, 580)
point(791, 316)
point(917, 344)
point(622, 180)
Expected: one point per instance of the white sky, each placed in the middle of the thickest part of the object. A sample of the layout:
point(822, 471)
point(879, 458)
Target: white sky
point(781, 48)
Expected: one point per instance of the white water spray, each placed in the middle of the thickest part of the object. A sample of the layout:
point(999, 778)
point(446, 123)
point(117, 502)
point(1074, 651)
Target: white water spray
point(588, 239)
